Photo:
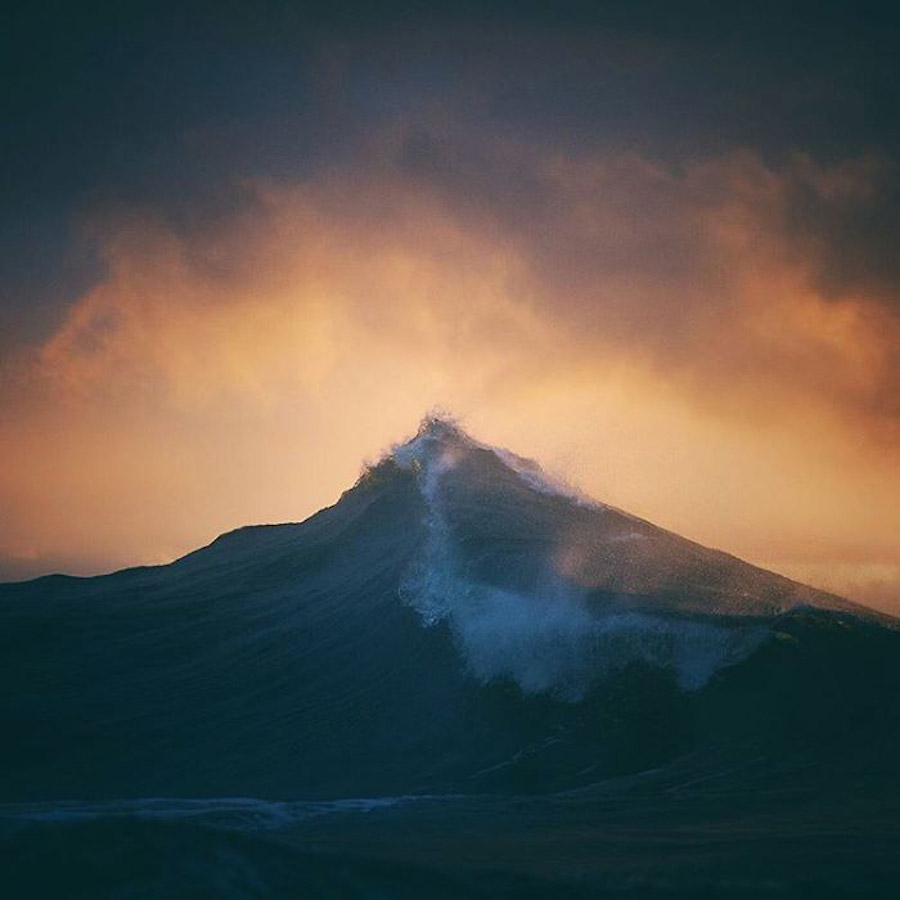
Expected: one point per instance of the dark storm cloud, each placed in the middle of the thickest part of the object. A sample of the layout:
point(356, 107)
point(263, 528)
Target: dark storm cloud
point(171, 105)
point(850, 224)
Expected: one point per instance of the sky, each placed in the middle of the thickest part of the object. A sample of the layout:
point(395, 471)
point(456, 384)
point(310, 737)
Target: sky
point(244, 247)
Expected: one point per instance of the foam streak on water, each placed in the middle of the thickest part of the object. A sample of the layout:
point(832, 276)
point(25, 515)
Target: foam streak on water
point(244, 813)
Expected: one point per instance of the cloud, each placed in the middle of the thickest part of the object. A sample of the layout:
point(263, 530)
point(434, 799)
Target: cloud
point(700, 276)
point(646, 329)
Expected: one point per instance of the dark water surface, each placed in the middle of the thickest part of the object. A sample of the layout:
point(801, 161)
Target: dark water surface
point(527, 695)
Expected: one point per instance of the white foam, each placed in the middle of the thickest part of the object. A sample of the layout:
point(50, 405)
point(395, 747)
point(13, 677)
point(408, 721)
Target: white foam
point(546, 639)
point(539, 480)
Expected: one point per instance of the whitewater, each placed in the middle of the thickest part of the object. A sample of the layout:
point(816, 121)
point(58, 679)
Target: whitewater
point(545, 638)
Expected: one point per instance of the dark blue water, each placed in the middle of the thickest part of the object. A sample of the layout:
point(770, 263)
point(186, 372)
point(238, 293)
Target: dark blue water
point(455, 682)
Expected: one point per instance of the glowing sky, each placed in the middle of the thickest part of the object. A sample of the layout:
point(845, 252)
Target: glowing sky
point(246, 251)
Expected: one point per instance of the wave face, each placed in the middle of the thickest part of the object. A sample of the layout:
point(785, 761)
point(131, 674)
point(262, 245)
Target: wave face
point(493, 666)
point(513, 609)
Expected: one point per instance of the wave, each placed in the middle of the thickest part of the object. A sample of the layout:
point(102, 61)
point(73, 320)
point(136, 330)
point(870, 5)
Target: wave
point(493, 662)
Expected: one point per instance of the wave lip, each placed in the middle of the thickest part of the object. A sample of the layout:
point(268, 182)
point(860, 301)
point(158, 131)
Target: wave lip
point(487, 496)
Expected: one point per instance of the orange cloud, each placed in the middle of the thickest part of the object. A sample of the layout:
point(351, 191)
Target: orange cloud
point(657, 337)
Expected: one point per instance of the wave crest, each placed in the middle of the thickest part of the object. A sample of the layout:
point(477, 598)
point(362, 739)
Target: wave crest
point(548, 638)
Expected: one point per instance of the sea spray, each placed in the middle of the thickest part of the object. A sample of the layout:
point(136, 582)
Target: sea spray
point(546, 638)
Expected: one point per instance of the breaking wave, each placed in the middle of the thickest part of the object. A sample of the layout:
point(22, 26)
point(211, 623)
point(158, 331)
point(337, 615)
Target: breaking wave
point(546, 639)
point(546, 684)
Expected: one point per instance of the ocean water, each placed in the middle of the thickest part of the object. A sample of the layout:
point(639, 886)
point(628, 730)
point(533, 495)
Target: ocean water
point(460, 680)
